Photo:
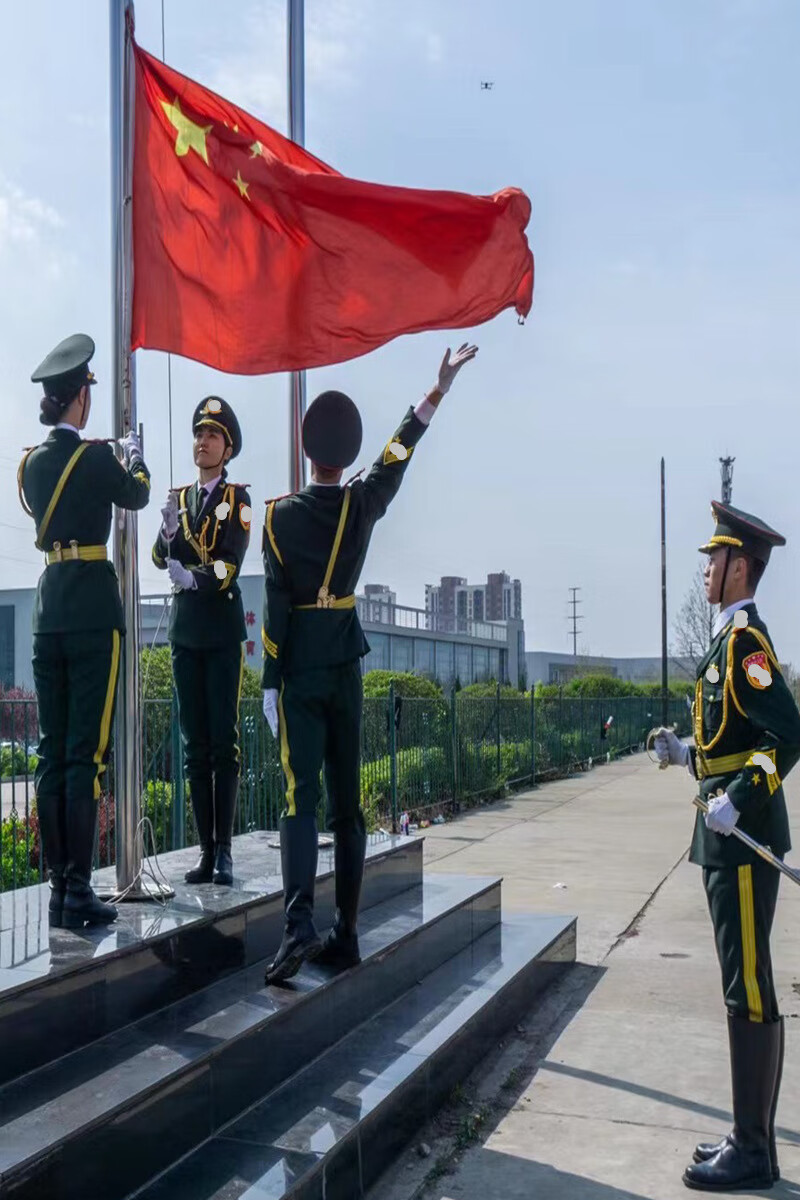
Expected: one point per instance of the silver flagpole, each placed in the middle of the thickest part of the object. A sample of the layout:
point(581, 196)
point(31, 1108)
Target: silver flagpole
point(127, 744)
point(297, 132)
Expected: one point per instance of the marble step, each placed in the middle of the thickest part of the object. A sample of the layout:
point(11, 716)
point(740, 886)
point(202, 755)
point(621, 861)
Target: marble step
point(105, 1119)
point(152, 956)
point(330, 1132)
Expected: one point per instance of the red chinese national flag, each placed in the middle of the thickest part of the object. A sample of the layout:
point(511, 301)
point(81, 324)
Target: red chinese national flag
point(253, 256)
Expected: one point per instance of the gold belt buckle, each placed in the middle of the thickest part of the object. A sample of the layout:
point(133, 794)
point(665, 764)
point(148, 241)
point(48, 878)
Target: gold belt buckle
point(324, 598)
point(57, 551)
point(73, 545)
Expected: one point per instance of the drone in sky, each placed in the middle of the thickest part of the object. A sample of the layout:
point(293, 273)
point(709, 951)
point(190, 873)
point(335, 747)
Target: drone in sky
point(486, 86)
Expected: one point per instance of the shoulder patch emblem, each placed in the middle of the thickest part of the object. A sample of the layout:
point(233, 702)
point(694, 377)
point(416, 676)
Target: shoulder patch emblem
point(396, 452)
point(756, 668)
point(245, 515)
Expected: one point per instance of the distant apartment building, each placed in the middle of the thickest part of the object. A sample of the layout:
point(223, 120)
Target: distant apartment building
point(453, 602)
point(379, 602)
point(440, 601)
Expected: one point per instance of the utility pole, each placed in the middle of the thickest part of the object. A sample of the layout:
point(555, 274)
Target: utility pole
point(727, 478)
point(574, 618)
point(664, 689)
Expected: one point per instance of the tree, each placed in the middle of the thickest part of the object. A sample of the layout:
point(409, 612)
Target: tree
point(694, 623)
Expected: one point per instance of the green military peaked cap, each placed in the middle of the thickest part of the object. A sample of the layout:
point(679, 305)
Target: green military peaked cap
point(67, 366)
point(332, 431)
point(741, 531)
point(217, 413)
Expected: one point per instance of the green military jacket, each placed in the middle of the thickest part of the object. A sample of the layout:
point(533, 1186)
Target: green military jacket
point(212, 540)
point(75, 595)
point(299, 534)
point(742, 708)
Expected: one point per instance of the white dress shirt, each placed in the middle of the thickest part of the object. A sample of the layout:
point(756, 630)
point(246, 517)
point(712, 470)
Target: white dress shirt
point(727, 615)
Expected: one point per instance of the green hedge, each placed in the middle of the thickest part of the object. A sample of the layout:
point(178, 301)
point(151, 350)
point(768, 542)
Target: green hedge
point(19, 854)
point(14, 761)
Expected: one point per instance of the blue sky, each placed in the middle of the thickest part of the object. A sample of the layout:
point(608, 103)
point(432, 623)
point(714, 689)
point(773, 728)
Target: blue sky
point(659, 145)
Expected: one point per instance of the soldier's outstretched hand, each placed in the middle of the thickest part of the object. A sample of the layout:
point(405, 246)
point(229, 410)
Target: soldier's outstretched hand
point(670, 750)
point(169, 514)
point(452, 364)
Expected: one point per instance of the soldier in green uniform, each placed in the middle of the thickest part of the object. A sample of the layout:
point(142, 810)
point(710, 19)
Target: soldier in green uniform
point(69, 486)
point(314, 546)
point(202, 543)
point(747, 738)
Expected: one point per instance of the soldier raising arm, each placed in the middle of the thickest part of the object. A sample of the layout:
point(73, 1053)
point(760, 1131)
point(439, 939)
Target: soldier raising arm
point(314, 546)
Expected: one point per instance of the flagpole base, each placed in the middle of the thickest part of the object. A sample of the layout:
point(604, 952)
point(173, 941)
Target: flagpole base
point(157, 892)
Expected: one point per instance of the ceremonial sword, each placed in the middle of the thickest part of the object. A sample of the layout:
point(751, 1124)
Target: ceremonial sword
point(762, 851)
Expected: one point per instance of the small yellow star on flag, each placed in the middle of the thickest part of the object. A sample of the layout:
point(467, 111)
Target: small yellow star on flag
point(190, 136)
point(256, 150)
point(242, 185)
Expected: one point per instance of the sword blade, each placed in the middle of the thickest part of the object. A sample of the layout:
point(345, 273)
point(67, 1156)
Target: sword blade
point(762, 851)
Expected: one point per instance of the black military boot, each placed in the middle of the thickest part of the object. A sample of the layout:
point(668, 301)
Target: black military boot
point(706, 1150)
point(50, 812)
point(202, 793)
point(340, 948)
point(776, 1087)
point(226, 787)
point(299, 868)
point(744, 1159)
point(58, 890)
point(81, 906)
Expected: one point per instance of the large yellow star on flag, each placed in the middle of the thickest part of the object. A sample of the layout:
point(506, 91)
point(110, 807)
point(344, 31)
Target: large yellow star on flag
point(190, 136)
point(242, 185)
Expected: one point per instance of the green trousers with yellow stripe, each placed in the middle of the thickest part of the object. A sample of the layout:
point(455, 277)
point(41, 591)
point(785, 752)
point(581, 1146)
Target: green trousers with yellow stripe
point(742, 903)
point(209, 687)
point(76, 685)
point(320, 731)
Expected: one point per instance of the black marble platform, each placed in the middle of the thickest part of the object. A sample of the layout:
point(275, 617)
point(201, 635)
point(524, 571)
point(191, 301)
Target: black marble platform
point(62, 989)
point(329, 1133)
point(105, 1119)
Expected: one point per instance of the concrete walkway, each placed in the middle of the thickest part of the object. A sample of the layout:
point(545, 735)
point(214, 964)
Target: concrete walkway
point(604, 1090)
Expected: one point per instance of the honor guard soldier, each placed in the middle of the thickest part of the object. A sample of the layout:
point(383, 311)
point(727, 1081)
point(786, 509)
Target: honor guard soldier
point(314, 545)
point(747, 738)
point(202, 543)
point(69, 486)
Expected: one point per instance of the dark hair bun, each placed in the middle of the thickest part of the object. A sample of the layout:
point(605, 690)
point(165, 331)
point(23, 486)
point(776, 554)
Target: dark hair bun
point(51, 410)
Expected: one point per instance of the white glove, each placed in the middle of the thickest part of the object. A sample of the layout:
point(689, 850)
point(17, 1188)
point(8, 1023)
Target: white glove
point(180, 575)
point(170, 514)
point(131, 446)
point(670, 750)
point(271, 709)
point(452, 365)
point(721, 816)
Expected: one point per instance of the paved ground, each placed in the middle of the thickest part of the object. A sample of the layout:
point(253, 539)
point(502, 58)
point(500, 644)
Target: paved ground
point(603, 1091)
point(14, 792)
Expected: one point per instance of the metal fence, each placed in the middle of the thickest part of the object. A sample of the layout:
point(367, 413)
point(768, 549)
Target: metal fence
point(425, 757)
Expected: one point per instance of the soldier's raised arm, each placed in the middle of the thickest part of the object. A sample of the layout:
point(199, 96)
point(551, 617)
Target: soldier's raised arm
point(386, 474)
